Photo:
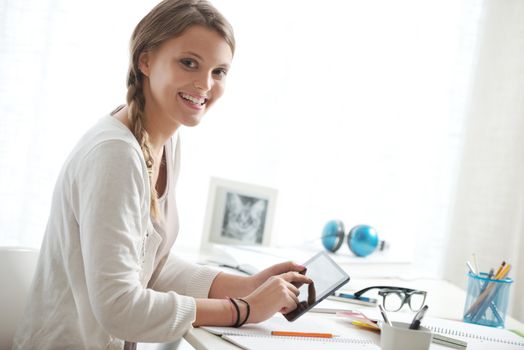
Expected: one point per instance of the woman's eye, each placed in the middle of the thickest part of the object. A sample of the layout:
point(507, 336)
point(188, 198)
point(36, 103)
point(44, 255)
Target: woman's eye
point(221, 72)
point(188, 62)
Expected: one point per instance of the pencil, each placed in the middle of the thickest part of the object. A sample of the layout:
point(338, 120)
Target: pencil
point(502, 274)
point(500, 267)
point(365, 325)
point(303, 334)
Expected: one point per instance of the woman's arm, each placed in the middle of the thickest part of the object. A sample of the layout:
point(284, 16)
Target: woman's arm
point(214, 312)
point(110, 201)
point(276, 294)
point(269, 291)
point(228, 285)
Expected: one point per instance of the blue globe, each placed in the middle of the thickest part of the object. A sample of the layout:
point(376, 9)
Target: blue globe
point(363, 240)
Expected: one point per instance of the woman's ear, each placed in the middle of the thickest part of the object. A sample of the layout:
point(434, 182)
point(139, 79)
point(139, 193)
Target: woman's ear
point(143, 63)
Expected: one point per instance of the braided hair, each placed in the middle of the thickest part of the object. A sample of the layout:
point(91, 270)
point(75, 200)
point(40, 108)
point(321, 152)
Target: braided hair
point(167, 20)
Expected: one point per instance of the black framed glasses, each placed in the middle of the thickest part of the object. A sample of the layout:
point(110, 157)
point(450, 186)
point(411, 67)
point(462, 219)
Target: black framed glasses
point(393, 298)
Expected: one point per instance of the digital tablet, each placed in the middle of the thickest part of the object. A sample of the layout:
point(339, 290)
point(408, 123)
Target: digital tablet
point(327, 277)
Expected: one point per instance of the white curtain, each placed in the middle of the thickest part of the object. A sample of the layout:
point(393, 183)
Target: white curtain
point(488, 214)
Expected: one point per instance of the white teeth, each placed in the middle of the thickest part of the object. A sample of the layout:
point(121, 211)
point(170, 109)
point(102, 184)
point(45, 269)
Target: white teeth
point(194, 100)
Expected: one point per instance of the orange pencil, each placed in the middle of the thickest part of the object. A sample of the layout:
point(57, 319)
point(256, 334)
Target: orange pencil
point(500, 267)
point(303, 334)
point(503, 273)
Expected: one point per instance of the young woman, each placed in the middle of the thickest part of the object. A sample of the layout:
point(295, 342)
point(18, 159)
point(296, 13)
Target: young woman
point(105, 277)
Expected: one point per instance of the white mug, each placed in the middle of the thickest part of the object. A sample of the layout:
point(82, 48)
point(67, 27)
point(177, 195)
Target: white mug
point(400, 337)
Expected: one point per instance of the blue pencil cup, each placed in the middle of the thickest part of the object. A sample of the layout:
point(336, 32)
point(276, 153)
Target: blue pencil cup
point(487, 300)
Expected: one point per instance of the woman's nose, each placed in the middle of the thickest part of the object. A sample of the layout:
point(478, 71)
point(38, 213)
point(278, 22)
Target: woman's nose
point(204, 82)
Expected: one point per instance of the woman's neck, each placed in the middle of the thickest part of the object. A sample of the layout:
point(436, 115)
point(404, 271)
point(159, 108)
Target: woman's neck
point(157, 139)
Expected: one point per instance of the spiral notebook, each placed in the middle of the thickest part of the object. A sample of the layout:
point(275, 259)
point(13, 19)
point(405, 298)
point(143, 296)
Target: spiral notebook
point(264, 342)
point(258, 336)
point(477, 337)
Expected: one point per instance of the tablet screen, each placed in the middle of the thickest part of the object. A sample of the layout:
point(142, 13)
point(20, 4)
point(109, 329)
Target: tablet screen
point(327, 277)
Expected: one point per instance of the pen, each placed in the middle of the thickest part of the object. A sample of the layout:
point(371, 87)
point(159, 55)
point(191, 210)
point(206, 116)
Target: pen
point(303, 334)
point(490, 273)
point(475, 262)
point(448, 341)
point(490, 276)
point(353, 297)
point(415, 324)
point(470, 268)
point(384, 315)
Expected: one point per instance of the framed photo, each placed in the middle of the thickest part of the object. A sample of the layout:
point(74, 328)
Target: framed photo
point(238, 213)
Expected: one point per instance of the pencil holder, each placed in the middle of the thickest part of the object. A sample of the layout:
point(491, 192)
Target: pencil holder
point(487, 300)
point(399, 336)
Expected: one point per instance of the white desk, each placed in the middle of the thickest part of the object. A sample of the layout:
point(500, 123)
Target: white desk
point(444, 299)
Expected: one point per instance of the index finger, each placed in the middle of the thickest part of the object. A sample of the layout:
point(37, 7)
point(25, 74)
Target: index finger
point(296, 277)
point(286, 267)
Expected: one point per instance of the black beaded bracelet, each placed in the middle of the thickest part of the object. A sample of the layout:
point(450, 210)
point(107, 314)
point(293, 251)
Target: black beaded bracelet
point(237, 322)
point(248, 311)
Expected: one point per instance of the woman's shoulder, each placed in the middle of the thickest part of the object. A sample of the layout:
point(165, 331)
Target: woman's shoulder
point(107, 141)
point(108, 130)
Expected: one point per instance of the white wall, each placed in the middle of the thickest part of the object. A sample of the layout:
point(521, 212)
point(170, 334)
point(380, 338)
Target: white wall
point(351, 109)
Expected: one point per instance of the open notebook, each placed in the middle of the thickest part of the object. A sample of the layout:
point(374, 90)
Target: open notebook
point(264, 342)
point(258, 336)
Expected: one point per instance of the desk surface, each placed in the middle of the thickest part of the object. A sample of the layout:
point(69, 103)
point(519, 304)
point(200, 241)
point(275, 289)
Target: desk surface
point(444, 299)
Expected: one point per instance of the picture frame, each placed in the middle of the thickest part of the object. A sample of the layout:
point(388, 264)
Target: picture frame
point(238, 213)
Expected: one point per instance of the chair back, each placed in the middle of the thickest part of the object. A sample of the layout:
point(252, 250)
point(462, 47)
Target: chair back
point(17, 266)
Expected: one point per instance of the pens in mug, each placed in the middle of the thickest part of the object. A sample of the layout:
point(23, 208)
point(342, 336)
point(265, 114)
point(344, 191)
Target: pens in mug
point(384, 315)
point(415, 324)
point(303, 334)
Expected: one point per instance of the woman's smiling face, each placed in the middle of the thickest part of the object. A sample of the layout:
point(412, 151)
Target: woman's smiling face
point(185, 76)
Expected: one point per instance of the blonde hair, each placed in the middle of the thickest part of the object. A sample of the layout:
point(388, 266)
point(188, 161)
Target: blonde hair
point(167, 20)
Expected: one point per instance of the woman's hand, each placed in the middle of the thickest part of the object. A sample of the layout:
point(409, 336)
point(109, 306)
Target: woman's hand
point(276, 293)
point(275, 270)
point(235, 286)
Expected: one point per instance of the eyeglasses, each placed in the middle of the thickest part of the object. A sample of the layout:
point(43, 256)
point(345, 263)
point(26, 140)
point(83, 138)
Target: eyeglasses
point(393, 298)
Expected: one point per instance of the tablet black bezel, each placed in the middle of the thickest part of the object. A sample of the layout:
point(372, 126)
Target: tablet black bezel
point(293, 315)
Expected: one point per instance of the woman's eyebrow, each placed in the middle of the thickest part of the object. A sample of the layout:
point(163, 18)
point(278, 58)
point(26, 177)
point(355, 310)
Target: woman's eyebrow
point(193, 54)
point(223, 65)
